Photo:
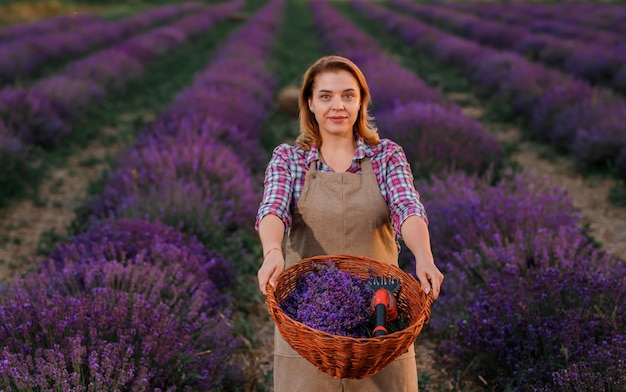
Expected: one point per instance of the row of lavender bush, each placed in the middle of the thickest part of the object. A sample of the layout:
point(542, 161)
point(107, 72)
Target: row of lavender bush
point(562, 110)
point(558, 26)
point(43, 114)
point(24, 55)
point(134, 303)
point(602, 16)
point(596, 62)
point(46, 26)
point(521, 306)
point(432, 130)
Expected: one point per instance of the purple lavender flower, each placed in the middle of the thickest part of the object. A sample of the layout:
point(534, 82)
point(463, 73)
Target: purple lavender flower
point(155, 43)
point(603, 369)
point(28, 53)
point(108, 339)
point(527, 325)
point(111, 69)
point(179, 121)
point(598, 144)
point(219, 102)
point(78, 94)
point(191, 182)
point(130, 241)
point(593, 63)
point(330, 300)
point(466, 211)
point(33, 116)
point(46, 26)
point(436, 139)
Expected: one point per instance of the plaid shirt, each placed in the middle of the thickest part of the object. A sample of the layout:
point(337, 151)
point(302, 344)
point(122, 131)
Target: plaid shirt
point(285, 173)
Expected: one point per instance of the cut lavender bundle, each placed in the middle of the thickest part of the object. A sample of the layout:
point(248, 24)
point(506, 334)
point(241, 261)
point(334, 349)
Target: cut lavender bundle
point(330, 300)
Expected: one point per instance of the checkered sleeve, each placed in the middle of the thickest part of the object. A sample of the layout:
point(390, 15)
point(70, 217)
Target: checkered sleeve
point(278, 187)
point(402, 197)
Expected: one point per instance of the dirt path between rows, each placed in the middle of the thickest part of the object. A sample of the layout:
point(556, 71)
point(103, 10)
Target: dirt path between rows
point(24, 223)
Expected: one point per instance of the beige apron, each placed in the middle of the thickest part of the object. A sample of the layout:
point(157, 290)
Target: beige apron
point(340, 213)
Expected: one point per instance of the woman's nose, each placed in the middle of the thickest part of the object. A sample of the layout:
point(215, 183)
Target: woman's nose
point(337, 104)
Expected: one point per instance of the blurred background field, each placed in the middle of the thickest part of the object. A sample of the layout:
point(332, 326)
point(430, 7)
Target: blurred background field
point(133, 140)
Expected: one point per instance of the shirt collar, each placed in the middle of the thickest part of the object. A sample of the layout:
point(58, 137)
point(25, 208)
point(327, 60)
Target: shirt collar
point(362, 150)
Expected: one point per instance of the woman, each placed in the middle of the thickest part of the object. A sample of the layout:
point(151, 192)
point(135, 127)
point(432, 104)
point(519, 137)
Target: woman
point(340, 190)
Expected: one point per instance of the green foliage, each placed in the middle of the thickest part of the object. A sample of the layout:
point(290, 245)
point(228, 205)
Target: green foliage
point(617, 194)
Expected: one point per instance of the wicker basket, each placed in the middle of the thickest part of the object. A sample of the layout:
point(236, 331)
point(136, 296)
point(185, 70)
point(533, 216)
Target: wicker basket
point(346, 357)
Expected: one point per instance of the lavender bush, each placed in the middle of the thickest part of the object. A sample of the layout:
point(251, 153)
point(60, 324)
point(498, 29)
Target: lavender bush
point(46, 26)
point(436, 139)
point(599, 144)
point(528, 325)
point(128, 241)
point(619, 80)
point(604, 368)
point(331, 300)
point(182, 339)
point(78, 94)
point(34, 117)
point(191, 182)
point(468, 271)
point(111, 69)
point(30, 52)
point(108, 339)
point(466, 211)
point(179, 121)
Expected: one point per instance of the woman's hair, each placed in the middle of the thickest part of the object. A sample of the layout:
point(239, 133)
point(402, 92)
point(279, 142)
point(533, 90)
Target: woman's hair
point(309, 128)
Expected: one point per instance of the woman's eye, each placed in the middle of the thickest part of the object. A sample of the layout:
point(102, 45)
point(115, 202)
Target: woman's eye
point(349, 96)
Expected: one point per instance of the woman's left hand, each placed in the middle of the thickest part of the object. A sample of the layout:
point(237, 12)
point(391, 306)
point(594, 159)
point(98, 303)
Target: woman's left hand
point(429, 276)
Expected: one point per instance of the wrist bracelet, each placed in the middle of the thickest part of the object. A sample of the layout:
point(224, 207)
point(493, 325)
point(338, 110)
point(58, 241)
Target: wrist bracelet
point(268, 252)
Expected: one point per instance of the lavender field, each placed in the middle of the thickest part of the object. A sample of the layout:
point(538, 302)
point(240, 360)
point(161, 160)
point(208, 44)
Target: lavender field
point(133, 151)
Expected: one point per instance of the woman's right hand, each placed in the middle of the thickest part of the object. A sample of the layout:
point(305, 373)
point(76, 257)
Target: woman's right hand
point(273, 266)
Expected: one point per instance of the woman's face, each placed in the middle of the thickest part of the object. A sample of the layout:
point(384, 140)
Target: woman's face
point(335, 102)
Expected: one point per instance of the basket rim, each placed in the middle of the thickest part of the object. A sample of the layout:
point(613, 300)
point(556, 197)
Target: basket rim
point(376, 352)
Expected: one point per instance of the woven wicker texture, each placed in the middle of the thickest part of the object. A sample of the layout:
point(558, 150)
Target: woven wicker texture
point(346, 357)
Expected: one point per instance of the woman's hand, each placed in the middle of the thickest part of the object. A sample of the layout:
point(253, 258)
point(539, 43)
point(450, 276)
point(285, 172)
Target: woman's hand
point(429, 276)
point(273, 266)
point(271, 231)
point(417, 239)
